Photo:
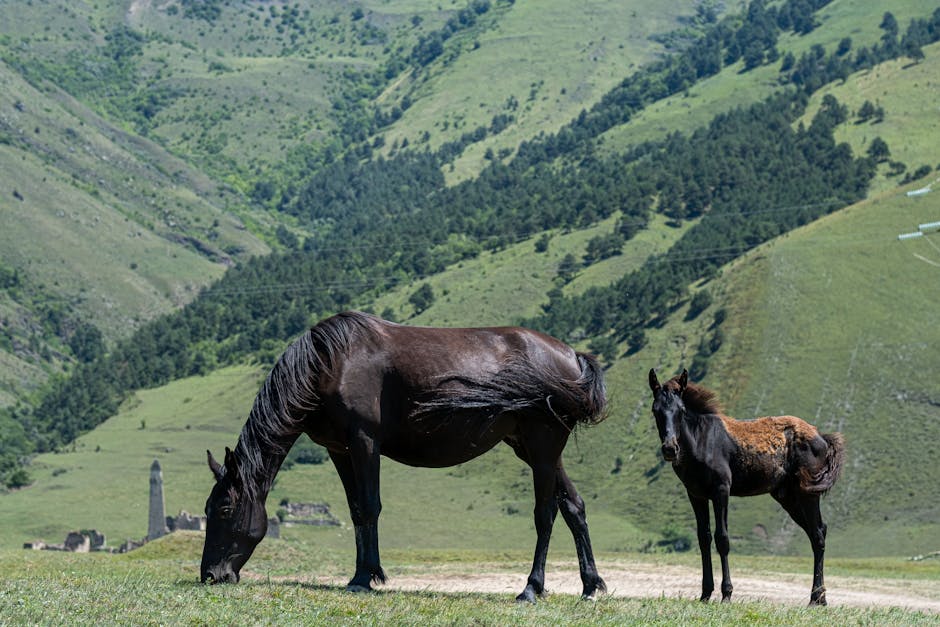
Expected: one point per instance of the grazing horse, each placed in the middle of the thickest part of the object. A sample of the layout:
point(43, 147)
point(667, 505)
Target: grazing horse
point(716, 457)
point(364, 387)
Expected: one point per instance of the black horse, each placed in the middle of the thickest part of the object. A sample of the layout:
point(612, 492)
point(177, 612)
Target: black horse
point(716, 457)
point(364, 387)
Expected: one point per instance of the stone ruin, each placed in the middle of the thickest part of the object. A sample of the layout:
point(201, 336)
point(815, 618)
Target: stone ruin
point(84, 541)
point(185, 521)
point(317, 514)
point(87, 540)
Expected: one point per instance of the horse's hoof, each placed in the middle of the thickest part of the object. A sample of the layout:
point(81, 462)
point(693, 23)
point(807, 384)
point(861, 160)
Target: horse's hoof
point(726, 598)
point(527, 595)
point(355, 588)
point(589, 597)
point(818, 601)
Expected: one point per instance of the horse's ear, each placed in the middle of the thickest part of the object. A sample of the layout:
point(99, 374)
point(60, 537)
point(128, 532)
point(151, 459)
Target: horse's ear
point(683, 379)
point(654, 381)
point(214, 466)
point(231, 468)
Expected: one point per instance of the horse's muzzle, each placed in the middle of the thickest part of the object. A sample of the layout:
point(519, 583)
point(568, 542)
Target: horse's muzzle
point(219, 575)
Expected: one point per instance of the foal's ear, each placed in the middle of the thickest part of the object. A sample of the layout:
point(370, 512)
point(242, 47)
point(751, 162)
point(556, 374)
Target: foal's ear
point(654, 381)
point(214, 466)
point(683, 379)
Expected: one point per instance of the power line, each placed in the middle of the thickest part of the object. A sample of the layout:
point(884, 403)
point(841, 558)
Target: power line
point(707, 254)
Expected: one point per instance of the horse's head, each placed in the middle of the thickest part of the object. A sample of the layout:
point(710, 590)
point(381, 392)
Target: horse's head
point(668, 409)
point(235, 524)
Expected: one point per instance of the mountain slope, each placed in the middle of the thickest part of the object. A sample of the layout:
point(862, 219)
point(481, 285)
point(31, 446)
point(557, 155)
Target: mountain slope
point(101, 228)
point(628, 482)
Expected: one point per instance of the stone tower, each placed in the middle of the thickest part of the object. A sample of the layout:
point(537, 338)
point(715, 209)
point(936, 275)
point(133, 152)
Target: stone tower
point(157, 526)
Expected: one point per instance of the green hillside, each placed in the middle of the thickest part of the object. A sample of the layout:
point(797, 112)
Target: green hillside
point(806, 320)
point(100, 226)
point(135, 137)
point(829, 322)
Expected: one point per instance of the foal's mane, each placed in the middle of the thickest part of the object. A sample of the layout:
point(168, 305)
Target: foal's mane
point(700, 400)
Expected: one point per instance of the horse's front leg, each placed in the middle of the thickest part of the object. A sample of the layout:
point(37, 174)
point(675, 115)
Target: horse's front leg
point(359, 472)
point(722, 538)
point(572, 510)
point(703, 530)
point(543, 475)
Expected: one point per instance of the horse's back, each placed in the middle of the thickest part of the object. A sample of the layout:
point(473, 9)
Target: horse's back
point(437, 396)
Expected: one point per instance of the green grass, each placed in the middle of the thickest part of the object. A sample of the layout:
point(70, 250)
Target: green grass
point(158, 584)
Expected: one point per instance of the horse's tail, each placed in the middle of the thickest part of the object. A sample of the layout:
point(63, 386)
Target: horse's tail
point(822, 481)
point(591, 383)
point(521, 385)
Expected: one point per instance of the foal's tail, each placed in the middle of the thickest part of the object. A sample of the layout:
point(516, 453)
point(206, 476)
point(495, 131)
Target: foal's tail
point(822, 481)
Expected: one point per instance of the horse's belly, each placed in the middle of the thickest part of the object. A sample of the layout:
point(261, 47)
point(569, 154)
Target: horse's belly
point(444, 443)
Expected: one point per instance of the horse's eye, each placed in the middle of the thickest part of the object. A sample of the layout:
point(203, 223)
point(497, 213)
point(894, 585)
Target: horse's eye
point(226, 512)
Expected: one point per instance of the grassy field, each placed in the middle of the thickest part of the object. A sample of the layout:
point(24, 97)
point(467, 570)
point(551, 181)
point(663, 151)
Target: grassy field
point(158, 584)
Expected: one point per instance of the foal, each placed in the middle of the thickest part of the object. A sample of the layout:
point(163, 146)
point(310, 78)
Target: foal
point(716, 456)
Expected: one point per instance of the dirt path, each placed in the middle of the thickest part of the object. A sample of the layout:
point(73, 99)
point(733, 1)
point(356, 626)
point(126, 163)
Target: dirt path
point(650, 581)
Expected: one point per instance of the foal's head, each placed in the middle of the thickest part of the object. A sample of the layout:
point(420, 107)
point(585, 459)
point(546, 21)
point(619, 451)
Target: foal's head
point(668, 409)
point(236, 523)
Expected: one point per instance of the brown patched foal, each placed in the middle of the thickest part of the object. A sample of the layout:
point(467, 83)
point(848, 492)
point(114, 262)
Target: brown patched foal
point(716, 456)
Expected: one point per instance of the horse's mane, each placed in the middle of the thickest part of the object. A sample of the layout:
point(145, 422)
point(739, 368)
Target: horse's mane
point(290, 392)
point(700, 400)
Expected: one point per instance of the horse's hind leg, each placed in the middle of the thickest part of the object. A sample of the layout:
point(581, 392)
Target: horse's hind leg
point(572, 510)
point(361, 485)
point(703, 530)
point(804, 510)
point(543, 467)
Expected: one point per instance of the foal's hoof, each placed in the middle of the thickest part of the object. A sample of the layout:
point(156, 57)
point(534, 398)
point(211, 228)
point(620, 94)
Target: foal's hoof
point(355, 588)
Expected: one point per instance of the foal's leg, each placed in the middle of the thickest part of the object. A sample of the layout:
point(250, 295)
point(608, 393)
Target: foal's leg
point(804, 510)
point(361, 484)
point(722, 538)
point(572, 510)
point(703, 529)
